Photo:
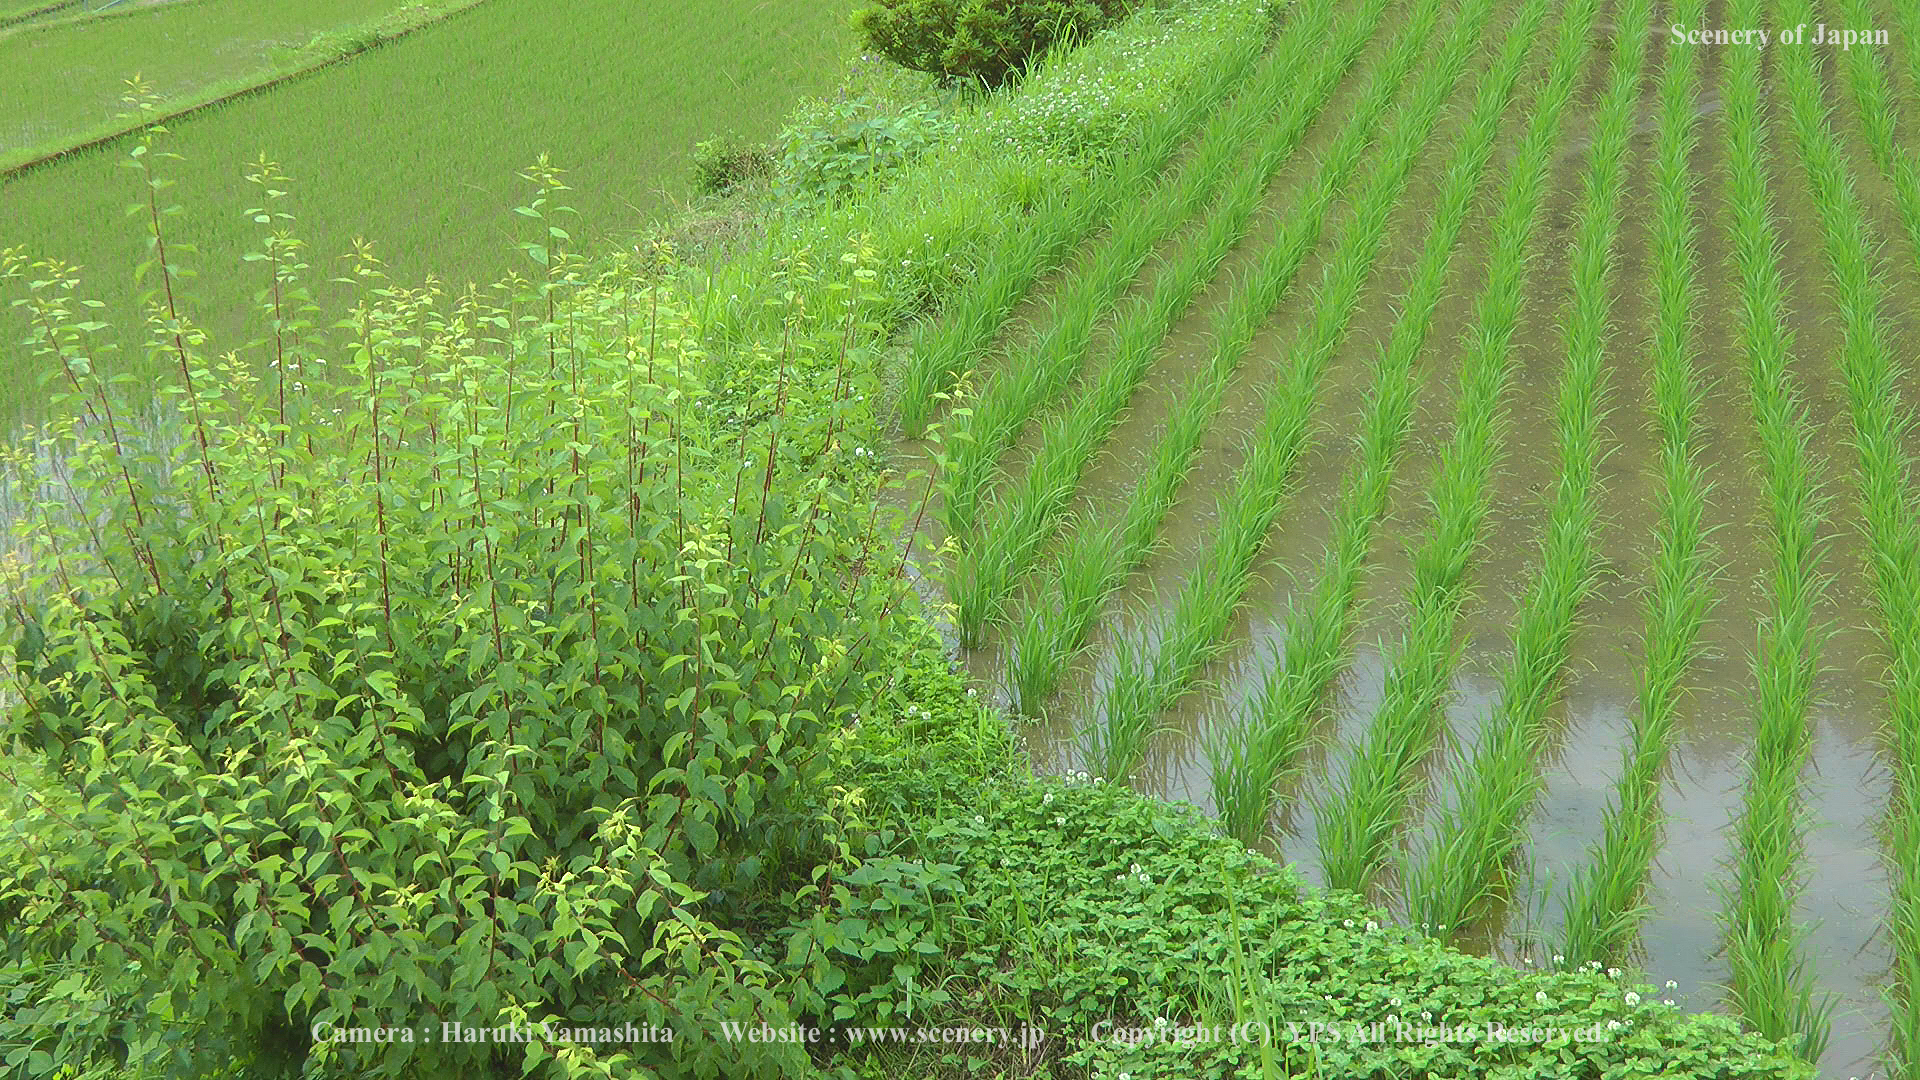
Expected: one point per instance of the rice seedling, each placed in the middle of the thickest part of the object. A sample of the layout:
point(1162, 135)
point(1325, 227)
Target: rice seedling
point(1879, 115)
point(985, 568)
point(1251, 754)
point(1099, 555)
point(1146, 682)
point(1770, 981)
point(1602, 912)
point(1883, 466)
point(1038, 373)
point(1896, 580)
point(1467, 863)
point(942, 348)
point(1371, 801)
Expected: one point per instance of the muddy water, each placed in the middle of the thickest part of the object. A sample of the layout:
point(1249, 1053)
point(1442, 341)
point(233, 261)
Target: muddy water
point(1845, 788)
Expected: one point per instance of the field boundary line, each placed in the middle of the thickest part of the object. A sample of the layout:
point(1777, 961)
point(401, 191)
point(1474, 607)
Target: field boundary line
point(175, 111)
point(25, 17)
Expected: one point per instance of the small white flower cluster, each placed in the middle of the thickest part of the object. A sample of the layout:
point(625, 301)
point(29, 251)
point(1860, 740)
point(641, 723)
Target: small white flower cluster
point(1137, 874)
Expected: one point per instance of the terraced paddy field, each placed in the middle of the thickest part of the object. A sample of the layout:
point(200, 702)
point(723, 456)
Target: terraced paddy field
point(418, 146)
point(1476, 462)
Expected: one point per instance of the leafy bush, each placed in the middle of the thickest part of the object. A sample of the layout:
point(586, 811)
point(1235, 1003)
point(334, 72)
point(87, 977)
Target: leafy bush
point(1115, 921)
point(979, 40)
point(472, 671)
point(724, 162)
point(831, 147)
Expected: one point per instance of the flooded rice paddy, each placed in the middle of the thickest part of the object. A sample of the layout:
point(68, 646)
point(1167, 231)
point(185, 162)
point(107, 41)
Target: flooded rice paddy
point(1846, 792)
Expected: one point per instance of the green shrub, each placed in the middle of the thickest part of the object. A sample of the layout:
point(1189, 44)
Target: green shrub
point(830, 148)
point(985, 41)
point(724, 162)
point(474, 670)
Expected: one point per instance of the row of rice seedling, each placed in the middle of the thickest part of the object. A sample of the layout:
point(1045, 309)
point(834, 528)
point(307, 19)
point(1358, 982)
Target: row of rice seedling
point(943, 348)
point(1896, 583)
point(1146, 680)
point(1370, 803)
point(1771, 983)
point(1603, 914)
point(1879, 115)
point(1036, 374)
point(1252, 753)
point(1469, 856)
point(1098, 556)
point(1018, 524)
point(1883, 469)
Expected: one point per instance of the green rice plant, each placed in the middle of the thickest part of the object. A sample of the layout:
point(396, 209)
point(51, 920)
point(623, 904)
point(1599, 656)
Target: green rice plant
point(1252, 753)
point(1602, 911)
point(985, 567)
point(1771, 983)
point(944, 347)
point(1368, 807)
point(1146, 683)
point(1896, 577)
point(1099, 555)
point(1039, 372)
point(1883, 469)
point(1468, 862)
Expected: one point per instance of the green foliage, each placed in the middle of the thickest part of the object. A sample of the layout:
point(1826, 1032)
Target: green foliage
point(830, 148)
point(1083, 909)
point(985, 41)
point(725, 162)
point(479, 672)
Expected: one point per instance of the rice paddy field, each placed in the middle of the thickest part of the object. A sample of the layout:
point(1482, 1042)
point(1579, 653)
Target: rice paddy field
point(419, 145)
point(1479, 467)
point(182, 48)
